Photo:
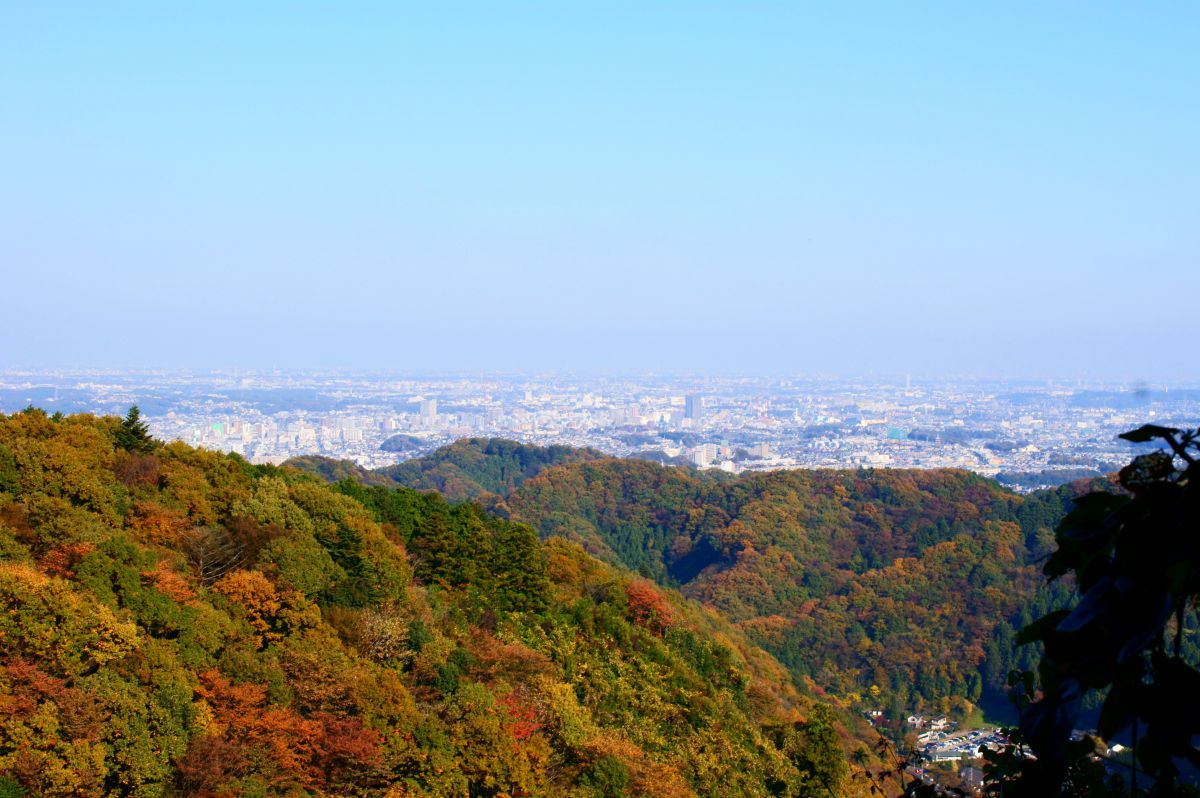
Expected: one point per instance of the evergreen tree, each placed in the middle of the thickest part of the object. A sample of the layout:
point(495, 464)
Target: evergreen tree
point(133, 434)
point(814, 748)
point(359, 588)
point(435, 544)
point(520, 564)
point(474, 553)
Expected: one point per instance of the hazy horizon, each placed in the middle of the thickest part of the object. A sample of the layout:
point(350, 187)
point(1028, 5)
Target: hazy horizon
point(73, 375)
point(756, 189)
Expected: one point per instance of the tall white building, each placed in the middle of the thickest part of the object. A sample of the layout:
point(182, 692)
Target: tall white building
point(429, 412)
point(704, 454)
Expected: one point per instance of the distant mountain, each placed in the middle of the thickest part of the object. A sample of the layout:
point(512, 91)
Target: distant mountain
point(466, 469)
point(402, 443)
point(331, 470)
point(1047, 478)
point(469, 468)
point(179, 622)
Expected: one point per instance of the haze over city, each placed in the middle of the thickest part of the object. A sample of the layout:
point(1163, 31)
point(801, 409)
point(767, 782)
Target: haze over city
point(1026, 434)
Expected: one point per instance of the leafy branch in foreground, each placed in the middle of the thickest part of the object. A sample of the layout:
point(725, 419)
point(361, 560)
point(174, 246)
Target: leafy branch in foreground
point(1135, 559)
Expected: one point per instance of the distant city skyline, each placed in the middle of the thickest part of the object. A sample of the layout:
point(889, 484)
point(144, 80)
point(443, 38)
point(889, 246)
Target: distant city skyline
point(1000, 190)
point(1025, 433)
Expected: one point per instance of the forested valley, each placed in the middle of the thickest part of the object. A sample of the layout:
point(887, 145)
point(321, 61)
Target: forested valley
point(886, 589)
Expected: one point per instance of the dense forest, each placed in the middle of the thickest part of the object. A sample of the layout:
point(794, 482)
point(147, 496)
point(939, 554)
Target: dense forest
point(473, 467)
point(180, 622)
point(894, 589)
point(469, 469)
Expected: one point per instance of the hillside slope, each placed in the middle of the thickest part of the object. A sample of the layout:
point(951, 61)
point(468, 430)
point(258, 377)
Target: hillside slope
point(470, 468)
point(904, 585)
point(333, 470)
point(901, 589)
point(179, 622)
point(890, 587)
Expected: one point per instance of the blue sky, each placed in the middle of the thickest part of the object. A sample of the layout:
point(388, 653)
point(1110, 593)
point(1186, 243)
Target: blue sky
point(985, 188)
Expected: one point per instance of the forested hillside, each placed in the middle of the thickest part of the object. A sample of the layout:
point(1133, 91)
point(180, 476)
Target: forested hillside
point(331, 470)
point(897, 589)
point(886, 586)
point(470, 468)
point(179, 622)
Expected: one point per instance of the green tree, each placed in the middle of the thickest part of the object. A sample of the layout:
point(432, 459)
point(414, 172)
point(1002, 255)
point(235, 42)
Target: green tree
point(133, 435)
point(608, 777)
point(520, 564)
point(434, 545)
point(816, 751)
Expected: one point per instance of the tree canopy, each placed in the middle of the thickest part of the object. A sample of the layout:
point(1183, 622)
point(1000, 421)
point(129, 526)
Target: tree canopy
point(180, 622)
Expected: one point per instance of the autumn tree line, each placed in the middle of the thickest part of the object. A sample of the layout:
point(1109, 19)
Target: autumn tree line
point(175, 621)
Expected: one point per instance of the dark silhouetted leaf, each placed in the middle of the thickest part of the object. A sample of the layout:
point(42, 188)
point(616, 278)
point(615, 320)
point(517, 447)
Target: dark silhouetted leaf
point(1037, 630)
point(1148, 432)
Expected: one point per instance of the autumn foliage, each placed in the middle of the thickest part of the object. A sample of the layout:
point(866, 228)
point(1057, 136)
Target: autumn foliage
point(903, 587)
point(178, 622)
point(648, 607)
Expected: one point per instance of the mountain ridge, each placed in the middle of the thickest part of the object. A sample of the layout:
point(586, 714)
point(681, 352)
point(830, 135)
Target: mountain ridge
point(468, 468)
point(896, 586)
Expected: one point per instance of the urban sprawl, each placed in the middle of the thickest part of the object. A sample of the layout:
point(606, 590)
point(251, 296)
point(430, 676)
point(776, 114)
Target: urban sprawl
point(1029, 433)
